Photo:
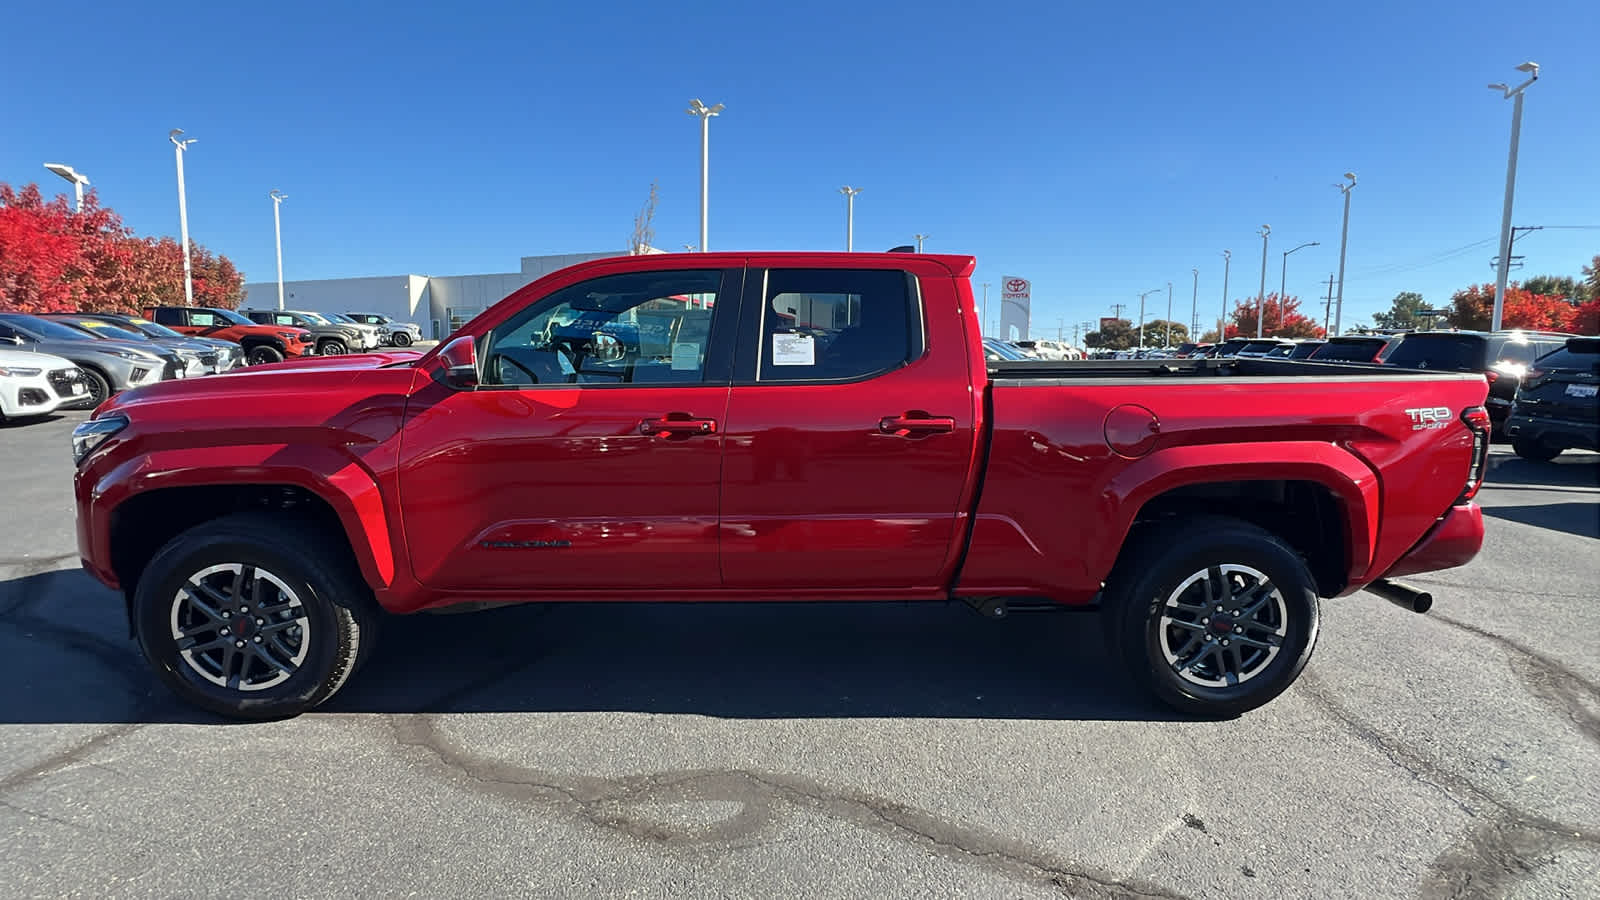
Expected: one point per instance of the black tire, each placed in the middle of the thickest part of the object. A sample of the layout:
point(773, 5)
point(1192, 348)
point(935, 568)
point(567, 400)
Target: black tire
point(1161, 559)
point(99, 388)
point(401, 338)
point(1534, 450)
point(262, 354)
point(328, 618)
point(331, 347)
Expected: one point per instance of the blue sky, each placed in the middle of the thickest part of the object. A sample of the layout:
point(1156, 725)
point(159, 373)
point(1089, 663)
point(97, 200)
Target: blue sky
point(1100, 149)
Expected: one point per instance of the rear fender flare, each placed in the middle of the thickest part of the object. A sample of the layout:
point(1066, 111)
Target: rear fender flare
point(1352, 482)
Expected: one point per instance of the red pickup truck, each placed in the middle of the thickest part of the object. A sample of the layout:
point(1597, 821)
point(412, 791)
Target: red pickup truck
point(767, 426)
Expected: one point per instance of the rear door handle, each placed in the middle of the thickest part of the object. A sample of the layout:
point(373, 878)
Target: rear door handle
point(913, 424)
point(677, 423)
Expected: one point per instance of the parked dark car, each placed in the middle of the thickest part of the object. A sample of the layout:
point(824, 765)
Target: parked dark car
point(1365, 348)
point(1305, 349)
point(1557, 407)
point(1229, 347)
point(1501, 356)
point(108, 366)
point(1263, 347)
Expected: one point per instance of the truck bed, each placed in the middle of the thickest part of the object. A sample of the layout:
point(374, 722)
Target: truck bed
point(1004, 373)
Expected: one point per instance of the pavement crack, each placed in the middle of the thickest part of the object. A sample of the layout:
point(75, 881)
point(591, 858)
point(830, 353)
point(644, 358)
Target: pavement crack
point(1572, 695)
point(762, 799)
point(60, 760)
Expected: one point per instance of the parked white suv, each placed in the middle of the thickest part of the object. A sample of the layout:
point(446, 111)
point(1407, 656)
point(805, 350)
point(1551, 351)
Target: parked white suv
point(35, 384)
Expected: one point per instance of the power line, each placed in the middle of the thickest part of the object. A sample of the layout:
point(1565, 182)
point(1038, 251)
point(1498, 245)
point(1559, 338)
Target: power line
point(1432, 260)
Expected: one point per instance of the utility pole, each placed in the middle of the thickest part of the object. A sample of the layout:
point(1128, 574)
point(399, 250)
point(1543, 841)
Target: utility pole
point(1532, 68)
point(1261, 298)
point(1327, 309)
point(1116, 309)
point(1059, 329)
point(983, 313)
point(1141, 314)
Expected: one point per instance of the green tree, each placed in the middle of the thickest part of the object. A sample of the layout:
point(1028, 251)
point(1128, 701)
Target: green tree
point(1155, 333)
point(1117, 335)
point(1403, 313)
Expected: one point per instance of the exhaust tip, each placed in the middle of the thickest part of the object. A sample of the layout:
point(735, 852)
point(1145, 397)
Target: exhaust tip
point(1402, 595)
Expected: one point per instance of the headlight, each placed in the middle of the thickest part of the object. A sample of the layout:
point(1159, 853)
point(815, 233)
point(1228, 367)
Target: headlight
point(125, 354)
point(188, 354)
point(91, 434)
point(17, 372)
point(287, 335)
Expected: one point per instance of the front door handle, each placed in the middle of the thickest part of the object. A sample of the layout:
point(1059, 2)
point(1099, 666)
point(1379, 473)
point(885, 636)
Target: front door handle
point(677, 423)
point(913, 424)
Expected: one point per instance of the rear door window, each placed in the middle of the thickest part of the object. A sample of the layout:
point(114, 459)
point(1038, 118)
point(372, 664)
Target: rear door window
point(837, 324)
point(1348, 351)
point(1576, 356)
point(168, 316)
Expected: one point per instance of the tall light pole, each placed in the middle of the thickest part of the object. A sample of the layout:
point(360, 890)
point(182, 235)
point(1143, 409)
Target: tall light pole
point(696, 108)
point(1169, 314)
point(1194, 308)
point(1222, 323)
point(1345, 188)
point(1283, 277)
point(183, 214)
point(77, 178)
point(1532, 68)
point(1141, 314)
point(849, 216)
point(983, 314)
point(920, 238)
point(1261, 298)
point(277, 233)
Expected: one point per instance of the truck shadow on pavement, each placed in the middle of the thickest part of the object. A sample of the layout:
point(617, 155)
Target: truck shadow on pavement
point(1567, 471)
point(1577, 517)
point(65, 656)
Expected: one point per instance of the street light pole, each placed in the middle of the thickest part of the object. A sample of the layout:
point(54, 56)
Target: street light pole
point(1344, 242)
point(983, 314)
point(1532, 68)
point(849, 216)
point(77, 178)
point(1283, 277)
point(183, 215)
point(696, 108)
point(1141, 314)
point(1169, 314)
point(920, 238)
point(1194, 308)
point(277, 232)
point(1222, 323)
point(1261, 297)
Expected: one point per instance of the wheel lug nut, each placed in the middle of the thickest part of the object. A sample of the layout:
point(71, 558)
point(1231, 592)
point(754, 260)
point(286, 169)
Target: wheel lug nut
point(1237, 629)
point(1224, 642)
point(1205, 621)
point(258, 638)
point(239, 644)
point(224, 632)
point(244, 609)
point(261, 621)
point(225, 614)
point(1208, 638)
point(1234, 613)
point(1219, 609)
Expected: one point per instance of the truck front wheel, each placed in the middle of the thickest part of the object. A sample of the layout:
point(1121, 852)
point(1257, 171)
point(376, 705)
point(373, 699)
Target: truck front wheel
point(252, 617)
point(1213, 615)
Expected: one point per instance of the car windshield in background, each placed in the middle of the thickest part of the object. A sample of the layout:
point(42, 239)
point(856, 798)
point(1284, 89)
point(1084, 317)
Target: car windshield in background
point(231, 316)
point(1579, 355)
point(153, 329)
point(1003, 350)
point(1445, 352)
point(1348, 351)
point(102, 329)
point(46, 329)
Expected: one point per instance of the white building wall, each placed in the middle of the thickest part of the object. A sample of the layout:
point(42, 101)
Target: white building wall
point(438, 304)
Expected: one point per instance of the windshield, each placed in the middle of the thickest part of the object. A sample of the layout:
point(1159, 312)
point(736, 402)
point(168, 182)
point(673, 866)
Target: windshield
point(231, 316)
point(44, 329)
point(1447, 352)
point(338, 317)
point(316, 318)
point(152, 329)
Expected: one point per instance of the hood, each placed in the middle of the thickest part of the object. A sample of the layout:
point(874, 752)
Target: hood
point(29, 359)
point(306, 375)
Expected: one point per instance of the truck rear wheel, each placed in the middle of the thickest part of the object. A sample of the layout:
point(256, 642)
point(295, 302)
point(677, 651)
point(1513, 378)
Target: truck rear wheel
point(1213, 615)
point(252, 617)
point(1534, 450)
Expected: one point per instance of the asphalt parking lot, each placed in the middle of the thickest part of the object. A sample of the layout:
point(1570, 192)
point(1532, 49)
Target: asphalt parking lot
point(819, 751)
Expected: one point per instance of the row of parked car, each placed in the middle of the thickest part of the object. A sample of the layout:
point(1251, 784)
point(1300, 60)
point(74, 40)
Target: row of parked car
point(71, 360)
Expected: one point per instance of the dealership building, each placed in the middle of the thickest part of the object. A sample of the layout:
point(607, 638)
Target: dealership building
point(437, 304)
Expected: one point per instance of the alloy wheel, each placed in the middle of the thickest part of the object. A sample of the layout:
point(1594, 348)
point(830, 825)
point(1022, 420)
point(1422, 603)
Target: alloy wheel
point(240, 627)
point(1223, 625)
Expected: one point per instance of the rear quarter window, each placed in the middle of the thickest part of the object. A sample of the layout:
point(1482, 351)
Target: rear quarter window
point(1576, 356)
point(1445, 352)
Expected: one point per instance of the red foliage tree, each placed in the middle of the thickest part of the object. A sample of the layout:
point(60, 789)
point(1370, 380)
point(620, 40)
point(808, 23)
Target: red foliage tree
point(1586, 318)
point(1283, 319)
point(1472, 309)
point(53, 259)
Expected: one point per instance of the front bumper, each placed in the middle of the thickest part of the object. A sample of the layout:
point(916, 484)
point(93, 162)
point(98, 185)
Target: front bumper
point(1452, 541)
point(1567, 434)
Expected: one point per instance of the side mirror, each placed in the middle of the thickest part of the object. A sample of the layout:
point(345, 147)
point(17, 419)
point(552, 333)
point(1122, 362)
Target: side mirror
point(460, 358)
point(607, 348)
